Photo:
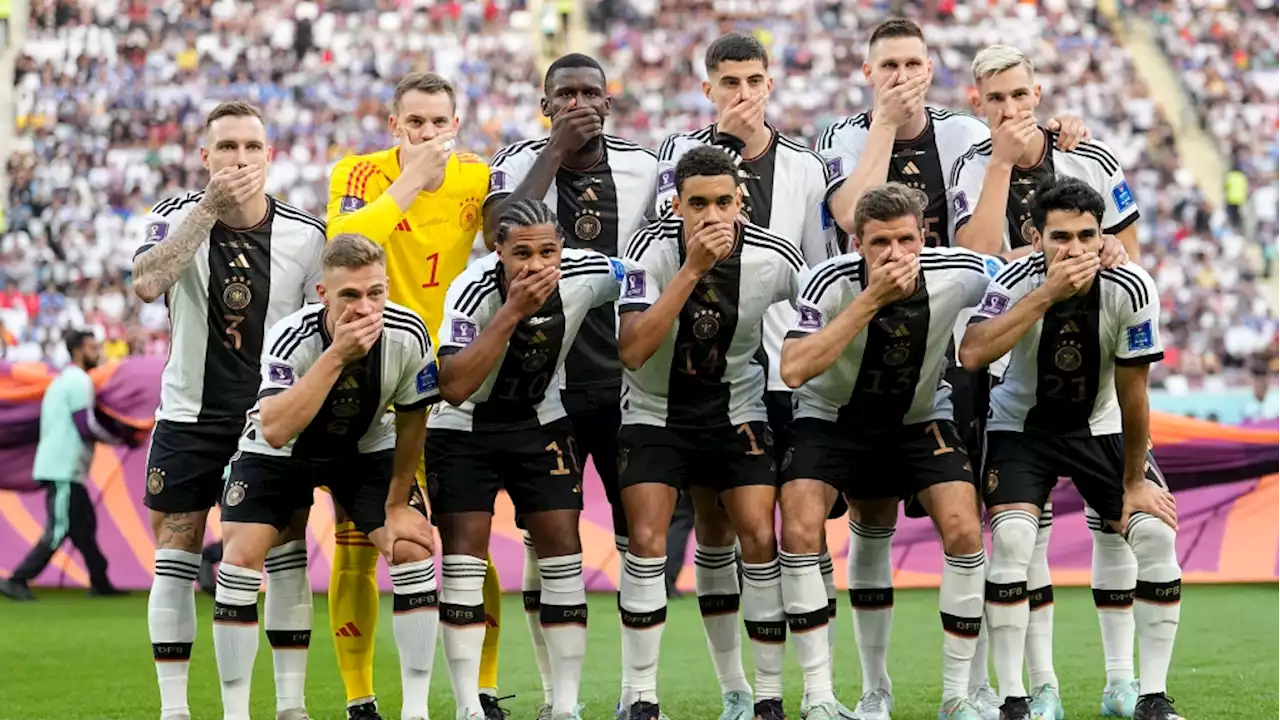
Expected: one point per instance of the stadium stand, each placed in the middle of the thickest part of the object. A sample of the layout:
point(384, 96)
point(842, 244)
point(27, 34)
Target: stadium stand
point(110, 94)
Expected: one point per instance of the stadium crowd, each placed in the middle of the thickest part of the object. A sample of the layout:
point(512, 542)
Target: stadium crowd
point(110, 94)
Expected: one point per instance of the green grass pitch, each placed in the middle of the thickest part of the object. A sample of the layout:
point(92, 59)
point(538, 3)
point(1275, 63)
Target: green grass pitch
point(70, 657)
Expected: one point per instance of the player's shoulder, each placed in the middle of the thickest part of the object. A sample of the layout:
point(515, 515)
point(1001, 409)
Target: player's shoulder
point(810, 157)
point(774, 246)
point(293, 330)
point(1024, 269)
point(473, 174)
point(294, 217)
point(976, 156)
point(846, 130)
point(1090, 153)
point(475, 284)
point(677, 144)
point(173, 208)
point(956, 124)
point(527, 149)
point(633, 151)
point(1130, 284)
point(828, 274)
point(957, 259)
point(587, 265)
point(654, 239)
point(405, 327)
point(365, 162)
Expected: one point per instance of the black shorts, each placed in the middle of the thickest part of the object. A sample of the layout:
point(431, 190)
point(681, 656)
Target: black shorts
point(970, 397)
point(595, 416)
point(1023, 468)
point(781, 408)
point(895, 463)
point(539, 468)
point(267, 490)
point(720, 459)
point(185, 464)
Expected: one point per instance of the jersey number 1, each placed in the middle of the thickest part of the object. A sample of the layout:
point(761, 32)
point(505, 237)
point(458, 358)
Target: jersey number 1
point(433, 261)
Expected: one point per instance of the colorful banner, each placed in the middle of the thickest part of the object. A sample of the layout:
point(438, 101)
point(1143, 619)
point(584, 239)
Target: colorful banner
point(1230, 520)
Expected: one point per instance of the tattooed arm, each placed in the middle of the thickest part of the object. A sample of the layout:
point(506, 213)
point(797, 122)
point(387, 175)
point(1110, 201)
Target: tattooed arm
point(157, 269)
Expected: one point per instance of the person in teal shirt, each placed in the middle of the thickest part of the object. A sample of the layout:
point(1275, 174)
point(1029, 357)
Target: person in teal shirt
point(69, 428)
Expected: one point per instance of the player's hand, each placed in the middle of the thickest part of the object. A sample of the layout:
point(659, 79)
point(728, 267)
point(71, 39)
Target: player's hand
point(575, 126)
point(743, 117)
point(231, 186)
point(1010, 140)
point(1071, 131)
point(354, 336)
point(529, 291)
point(1069, 275)
point(1152, 499)
point(426, 161)
point(897, 104)
point(893, 280)
point(1113, 254)
point(404, 523)
point(709, 243)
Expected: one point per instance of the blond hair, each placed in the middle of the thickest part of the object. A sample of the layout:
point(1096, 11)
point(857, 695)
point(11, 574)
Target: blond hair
point(352, 251)
point(997, 59)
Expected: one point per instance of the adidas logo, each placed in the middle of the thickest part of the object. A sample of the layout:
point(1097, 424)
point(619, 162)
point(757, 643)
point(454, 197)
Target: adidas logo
point(240, 262)
point(349, 630)
point(589, 196)
point(350, 383)
point(910, 168)
point(1070, 327)
point(902, 331)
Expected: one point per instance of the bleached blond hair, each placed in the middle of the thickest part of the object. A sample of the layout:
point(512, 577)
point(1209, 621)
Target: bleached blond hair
point(996, 59)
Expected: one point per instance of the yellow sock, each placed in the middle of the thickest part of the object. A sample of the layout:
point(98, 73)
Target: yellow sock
point(353, 609)
point(492, 629)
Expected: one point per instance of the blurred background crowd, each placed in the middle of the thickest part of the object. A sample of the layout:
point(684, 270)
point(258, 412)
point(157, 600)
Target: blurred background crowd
point(110, 96)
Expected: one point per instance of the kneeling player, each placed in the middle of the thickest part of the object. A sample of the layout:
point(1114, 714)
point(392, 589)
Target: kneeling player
point(1073, 402)
point(866, 353)
point(328, 373)
point(509, 320)
point(693, 415)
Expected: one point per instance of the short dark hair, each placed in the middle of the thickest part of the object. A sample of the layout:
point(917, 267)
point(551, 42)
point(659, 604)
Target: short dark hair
point(525, 212)
point(1065, 194)
point(705, 161)
point(735, 47)
point(232, 108)
point(886, 202)
point(572, 60)
point(423, 82)
point(75, 339)
point(896, 28)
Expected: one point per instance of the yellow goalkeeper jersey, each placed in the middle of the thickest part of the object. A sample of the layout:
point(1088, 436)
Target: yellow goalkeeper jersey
point(426, 247)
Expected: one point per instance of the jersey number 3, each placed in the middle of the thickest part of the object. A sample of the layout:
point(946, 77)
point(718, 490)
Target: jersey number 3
point(233, 341)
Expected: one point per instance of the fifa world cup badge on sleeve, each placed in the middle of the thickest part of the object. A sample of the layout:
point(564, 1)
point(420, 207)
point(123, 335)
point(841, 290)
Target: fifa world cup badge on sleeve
point(428, 378)
point(810, 318)
point(667, 180)
point(960, 203)
point(1141, 336)
point(351, 203)
point(157, 231)
point(835, 168)
point(280, 374)
point(464, 331)
point(634, 287)
point(497, 181)
point(1122, 195)
point(993, 303)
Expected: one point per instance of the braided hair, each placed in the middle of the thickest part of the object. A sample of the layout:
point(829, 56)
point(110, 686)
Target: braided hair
point(525, 212)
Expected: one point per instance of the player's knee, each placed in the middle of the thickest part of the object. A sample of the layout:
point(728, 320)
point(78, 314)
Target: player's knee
point(758, 541)
point(242, 553)
point(407, 551)
point(1153, 541)
point(1013, 536)
point(961, 532)
point(802, 524)
point(647, 540)
point(875, 513)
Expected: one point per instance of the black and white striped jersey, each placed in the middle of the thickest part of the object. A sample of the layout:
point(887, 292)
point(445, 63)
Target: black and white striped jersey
point(239, 284)
point(922, 162)
point(1091, 162)
point(598, 208)
point(1061, 374)
point(784, 191)
point(399, 370)
point(706, 373)
point(522, 390)
point(891, 374)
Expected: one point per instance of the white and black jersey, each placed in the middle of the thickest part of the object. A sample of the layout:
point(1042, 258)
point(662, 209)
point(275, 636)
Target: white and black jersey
point(522, 390)
point(238, 284)
point(1090, 162)
point(706, 373)
point(923, 162)
point(598, 208)
point(398, 371)
point(891, 374)
point(1061, 374)
point(784, 191)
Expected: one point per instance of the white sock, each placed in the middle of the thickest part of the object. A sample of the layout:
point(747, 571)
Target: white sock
point(564, 624)
point(1158, 597)
point(805, 601)
point(235, 636)
point(642, 600)
point(829, 584)
point(766, 625)
point(416, 624)
point(1013, 538)
point(621, 543)
point(871, 595)
point(462, 620)
point(978, 675)
point(531, 588)
point(1039, 646)
point(1115, 574)
point(288, 621)
point(171, 620)
point(715, 573)
point(960, 605)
